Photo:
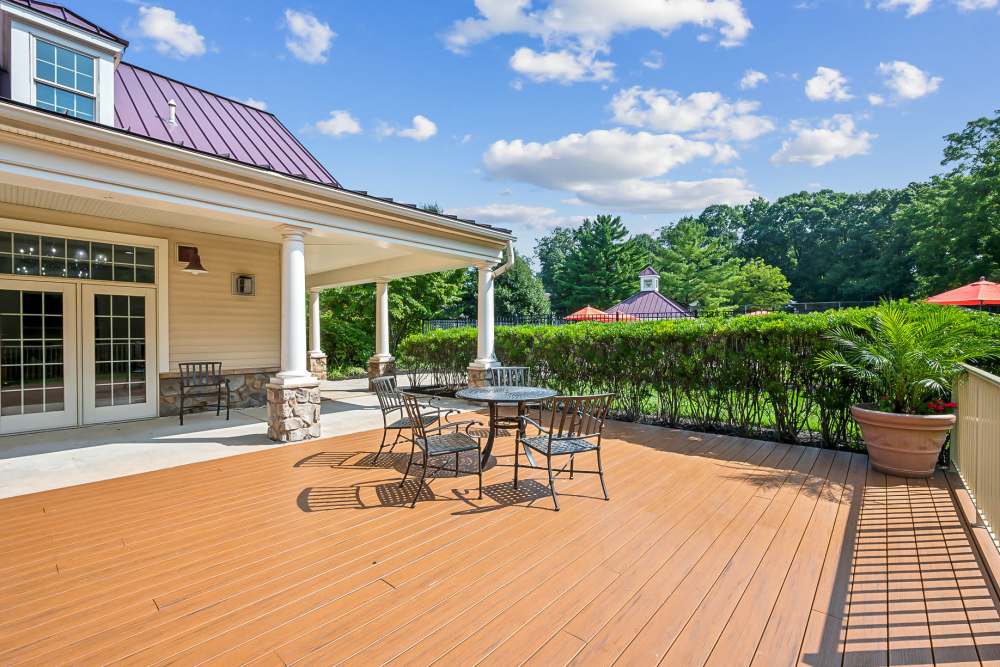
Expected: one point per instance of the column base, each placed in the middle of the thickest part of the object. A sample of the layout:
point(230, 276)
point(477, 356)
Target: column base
point(479, 372)
point(380, 367)
point(317, 365)
point(293, 410)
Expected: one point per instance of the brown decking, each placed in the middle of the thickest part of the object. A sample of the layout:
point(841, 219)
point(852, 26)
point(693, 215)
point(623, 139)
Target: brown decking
point(712, 550)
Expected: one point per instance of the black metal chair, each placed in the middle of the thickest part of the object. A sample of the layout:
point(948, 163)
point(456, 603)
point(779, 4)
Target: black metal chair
point(575, 427)
point(394, 417)
point(514, 376)
point(198, 380)
point(434, 442)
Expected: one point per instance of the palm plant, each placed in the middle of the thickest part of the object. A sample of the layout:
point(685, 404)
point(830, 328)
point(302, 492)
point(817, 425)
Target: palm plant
point(907, 354)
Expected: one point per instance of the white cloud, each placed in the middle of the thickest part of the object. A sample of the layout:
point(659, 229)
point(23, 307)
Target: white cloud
point(828, 84)
point(422, 129)
point(466, 138)
point(906, 81)
point(534, 217)
point(653, 60)
point(590, 24)
point(833, 139)
point(616, 168)
point(913, 7)
point(338, 124)
point(171, 37)
point(564, 66)
point(309, 38)
point(709, 114)
point(256, 104)
point(973, 5)
point(876, 100)
point(751, 79)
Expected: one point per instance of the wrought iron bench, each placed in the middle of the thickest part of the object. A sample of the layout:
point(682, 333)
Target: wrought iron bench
point(198, 380)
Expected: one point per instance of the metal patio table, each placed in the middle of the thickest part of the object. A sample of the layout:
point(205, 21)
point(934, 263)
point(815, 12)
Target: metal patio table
point(499, 396)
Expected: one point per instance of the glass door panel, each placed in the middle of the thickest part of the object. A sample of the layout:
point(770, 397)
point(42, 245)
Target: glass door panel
point(38, 335)
point(118, 353)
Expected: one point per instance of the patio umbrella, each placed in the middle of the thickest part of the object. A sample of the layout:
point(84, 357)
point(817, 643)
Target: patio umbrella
point(588, 313)
point(980, 293)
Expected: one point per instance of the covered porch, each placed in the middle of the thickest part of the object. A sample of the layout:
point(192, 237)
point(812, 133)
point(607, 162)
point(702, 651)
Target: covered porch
point(232, 261)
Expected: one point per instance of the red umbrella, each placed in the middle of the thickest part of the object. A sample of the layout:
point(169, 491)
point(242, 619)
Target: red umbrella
point(588, 313)
point(980, 293)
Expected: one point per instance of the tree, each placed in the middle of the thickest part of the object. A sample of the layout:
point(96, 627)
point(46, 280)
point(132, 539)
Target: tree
point(601, 268)
point(761, 285)
point(695, 268)
point(519, 292)
point(551, 251)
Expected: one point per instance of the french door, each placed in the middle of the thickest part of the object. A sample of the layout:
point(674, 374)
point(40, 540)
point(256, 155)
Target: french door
point(38, 355)
point(118, 353)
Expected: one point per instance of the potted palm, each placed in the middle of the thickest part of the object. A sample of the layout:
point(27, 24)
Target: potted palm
point(908, 355)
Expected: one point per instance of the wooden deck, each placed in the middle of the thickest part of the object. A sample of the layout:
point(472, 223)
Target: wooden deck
point(713, 550)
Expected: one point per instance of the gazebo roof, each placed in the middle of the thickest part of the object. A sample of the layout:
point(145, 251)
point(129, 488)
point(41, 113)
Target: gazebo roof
point(649, 271)
point(648, 303)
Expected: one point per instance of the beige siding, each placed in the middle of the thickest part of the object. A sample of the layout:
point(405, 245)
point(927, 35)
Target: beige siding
point(206, 321)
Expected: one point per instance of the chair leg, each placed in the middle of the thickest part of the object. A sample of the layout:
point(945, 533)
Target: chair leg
point(552, 482)
point(456, 464)
point(182, 408)
point(413, 450)
point(479, 465)
point(218, 400)
point(228, 399)
point(571, 457)
point(600, 474)
point(385, 432)
point(517, 460)
point(420, 485)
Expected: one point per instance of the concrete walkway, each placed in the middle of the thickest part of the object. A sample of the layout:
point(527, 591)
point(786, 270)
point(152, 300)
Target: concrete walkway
point(53, 459)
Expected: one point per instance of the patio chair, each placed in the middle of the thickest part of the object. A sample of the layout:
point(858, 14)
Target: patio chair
point(394, 417)
point(434, 442)
point(198, 380)
point(514, 376)
point(575, 427)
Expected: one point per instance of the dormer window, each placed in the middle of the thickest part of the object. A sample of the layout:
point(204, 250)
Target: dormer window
point(64, 81)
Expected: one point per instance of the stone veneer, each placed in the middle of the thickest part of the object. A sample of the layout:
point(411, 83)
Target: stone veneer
point(380, 368)
point(478, 377)
point(293, 412)
point(248, 387)
point(317, 365)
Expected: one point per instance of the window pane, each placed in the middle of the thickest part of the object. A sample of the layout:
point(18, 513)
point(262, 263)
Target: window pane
point(65, 77)
point(143, 256)
point(84, 108)
point(85, 83)
point(26, 266)
point(10, 301)
point(101, 252)
point(65, 58)
point(5, 242)
point(85, 65)
point(65, 101)
point(45, 51)
point(44, 70)
point(25, 244)
point(7, 264)
point(54, 268)
point(124, 254)
point(45, 97)
point(78, 250)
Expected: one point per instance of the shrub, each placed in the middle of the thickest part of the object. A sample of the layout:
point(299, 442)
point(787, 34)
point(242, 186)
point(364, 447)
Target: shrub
point(751, 376)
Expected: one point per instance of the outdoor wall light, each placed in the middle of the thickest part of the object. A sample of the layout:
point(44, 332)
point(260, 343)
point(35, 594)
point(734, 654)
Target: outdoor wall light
point(189, 254)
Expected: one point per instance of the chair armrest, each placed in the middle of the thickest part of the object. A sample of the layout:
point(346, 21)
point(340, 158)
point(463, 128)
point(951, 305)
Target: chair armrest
point(468, 423)
point(526, 419)
point(443, 413)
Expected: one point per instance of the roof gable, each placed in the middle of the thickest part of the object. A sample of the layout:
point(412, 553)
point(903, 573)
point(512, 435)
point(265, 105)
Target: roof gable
point(648, 303)
point(69, 17)
point(648, 271)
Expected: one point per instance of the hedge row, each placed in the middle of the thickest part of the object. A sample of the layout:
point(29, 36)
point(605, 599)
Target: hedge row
point(751, 376)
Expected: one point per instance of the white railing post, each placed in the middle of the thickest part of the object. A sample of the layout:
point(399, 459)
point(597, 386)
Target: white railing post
point(485, 353)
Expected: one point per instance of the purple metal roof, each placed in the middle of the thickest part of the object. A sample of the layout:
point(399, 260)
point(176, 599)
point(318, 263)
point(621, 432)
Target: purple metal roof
point(649, 271)
point(648, 303)
point(210, 123)
point(60, 13)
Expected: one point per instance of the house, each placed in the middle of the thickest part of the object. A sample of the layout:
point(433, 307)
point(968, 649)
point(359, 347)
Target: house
point(146, 222)
point(648, 303)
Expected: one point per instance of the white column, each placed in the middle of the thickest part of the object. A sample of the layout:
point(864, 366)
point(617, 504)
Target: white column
point(485, 356)
point(382, 353)
point(314, 337)
point(293, 307)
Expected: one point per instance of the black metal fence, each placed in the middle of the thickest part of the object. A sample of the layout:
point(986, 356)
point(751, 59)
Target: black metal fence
point(553, 320)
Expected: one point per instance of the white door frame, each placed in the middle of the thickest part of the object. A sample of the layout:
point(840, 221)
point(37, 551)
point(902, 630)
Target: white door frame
point(69, 415)
point(91, 413)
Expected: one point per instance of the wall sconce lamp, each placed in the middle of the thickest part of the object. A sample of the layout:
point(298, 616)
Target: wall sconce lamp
point(189, 254)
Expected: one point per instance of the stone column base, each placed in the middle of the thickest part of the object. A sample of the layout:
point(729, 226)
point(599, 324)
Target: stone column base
point(479, 373)
point(293, 411)
point(380, 368)
point(317, 365)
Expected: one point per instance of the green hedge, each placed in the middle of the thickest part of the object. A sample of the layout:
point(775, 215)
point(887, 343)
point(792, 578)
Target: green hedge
point(752, 376)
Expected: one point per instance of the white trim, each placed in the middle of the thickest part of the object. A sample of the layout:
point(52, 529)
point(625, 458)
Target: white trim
point(161, 246)
point(37, 20)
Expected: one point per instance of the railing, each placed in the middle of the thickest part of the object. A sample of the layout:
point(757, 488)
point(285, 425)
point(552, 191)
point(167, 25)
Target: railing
point(975, 447)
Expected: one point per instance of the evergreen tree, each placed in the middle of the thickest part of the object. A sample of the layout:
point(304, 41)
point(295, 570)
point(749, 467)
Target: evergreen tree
point(696, 269)
point(601, 268)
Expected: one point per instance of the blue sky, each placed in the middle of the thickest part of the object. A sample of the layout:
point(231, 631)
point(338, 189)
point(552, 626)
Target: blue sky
point(531, 114)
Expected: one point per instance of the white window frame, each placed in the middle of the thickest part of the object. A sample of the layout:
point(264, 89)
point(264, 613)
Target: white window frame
point(35, 38)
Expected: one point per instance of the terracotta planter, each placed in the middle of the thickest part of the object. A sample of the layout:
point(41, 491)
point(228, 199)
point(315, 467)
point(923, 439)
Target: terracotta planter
point(904, 445)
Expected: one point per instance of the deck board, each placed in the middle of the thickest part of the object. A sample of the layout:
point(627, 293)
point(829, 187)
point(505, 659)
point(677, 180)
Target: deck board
point(713, 550)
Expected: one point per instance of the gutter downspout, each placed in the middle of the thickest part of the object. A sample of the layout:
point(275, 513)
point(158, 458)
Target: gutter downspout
point(500, 270)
